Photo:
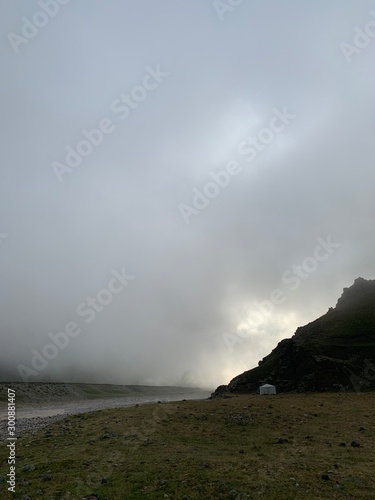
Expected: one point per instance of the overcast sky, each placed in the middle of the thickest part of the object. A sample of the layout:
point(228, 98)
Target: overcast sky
point(266, 92)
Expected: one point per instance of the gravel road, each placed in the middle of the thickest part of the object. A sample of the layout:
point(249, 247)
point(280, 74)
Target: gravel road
point(32, 416)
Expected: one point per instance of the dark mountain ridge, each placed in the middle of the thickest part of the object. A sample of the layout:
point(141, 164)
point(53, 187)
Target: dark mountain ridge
point(334, 352)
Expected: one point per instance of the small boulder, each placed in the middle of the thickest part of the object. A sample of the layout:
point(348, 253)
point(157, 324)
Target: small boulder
point(28, 468)
point(46, 477)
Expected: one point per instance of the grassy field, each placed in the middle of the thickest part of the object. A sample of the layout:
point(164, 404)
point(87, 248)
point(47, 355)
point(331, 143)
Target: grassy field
point(226, 448)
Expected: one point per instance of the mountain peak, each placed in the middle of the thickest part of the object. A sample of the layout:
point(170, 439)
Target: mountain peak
point(334, 352)
point(361, 291)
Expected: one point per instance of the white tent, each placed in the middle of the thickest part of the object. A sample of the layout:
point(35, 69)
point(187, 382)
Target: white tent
point(267, 389)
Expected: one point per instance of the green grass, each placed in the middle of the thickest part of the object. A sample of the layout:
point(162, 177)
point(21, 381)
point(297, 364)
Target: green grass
point(208, 449)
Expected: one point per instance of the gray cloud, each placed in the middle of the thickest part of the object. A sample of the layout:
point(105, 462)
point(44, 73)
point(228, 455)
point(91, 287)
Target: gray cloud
point(119, 208)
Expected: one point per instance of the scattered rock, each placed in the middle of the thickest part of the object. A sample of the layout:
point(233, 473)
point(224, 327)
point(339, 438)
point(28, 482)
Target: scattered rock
point(355, 444)
point(202, 417)
point(28, 468)
point(242, 419)
point(283, 440)
point(46, 477)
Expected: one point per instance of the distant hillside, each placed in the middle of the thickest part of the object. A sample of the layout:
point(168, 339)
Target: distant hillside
point(47, 392)
point(334, 352)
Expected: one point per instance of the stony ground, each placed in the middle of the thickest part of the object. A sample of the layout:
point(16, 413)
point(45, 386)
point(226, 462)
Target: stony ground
point(292, 446)
point(47, 403)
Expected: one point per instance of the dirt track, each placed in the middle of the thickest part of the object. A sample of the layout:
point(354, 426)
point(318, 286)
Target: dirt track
point(31, 416)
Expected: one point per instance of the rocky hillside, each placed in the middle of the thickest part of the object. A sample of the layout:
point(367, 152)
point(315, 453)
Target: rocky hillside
point(334, 352)
point(45, 392)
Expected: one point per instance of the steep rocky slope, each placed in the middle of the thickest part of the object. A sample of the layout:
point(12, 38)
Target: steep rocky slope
point(334, 352)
